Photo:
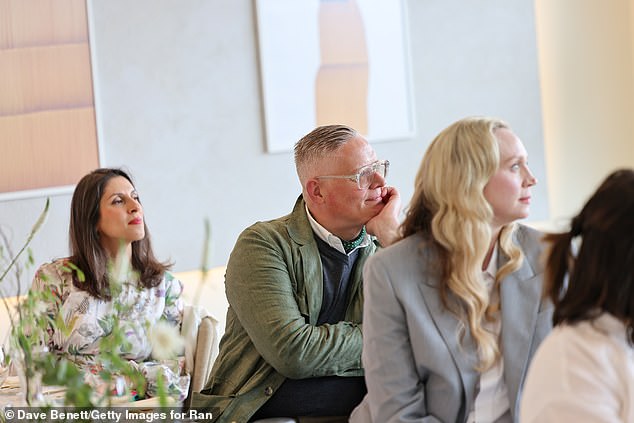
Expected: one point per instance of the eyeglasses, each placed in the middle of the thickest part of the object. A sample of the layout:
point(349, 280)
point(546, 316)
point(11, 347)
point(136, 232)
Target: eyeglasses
point(365, 176)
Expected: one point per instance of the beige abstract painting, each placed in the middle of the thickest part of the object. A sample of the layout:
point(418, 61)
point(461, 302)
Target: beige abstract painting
point(334, 62)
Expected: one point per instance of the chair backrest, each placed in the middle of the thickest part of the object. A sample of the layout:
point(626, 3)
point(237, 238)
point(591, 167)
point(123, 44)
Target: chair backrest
point(205, 352)
point(208, 293)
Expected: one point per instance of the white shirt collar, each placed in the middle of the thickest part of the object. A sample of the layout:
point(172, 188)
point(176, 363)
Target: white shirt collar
point(331, 239)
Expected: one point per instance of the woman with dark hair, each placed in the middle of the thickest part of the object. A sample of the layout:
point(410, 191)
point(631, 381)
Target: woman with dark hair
point(453, 311)
point(107, 219)
point(112, 272)
point(584, 370)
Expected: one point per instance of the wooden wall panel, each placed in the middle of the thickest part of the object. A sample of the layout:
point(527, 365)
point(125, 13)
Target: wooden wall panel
point(48, 148)
point(42, 78)
point(48, 135)
point(25, 23)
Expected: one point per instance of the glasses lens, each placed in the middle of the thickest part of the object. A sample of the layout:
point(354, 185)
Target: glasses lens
point(366, 176)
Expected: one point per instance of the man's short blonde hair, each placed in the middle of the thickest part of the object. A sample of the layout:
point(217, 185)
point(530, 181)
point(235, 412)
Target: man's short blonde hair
point(318, 144)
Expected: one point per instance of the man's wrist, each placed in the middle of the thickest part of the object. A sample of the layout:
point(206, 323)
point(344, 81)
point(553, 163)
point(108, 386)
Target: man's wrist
point(387, 238)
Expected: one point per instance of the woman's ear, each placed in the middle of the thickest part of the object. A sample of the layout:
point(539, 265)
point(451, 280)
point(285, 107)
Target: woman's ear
point(313, 190)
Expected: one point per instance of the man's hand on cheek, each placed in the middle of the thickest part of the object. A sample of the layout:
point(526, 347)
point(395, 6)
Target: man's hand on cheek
point(385, 224)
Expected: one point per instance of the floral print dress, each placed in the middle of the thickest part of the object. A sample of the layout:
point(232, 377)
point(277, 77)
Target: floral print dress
point(88, 319)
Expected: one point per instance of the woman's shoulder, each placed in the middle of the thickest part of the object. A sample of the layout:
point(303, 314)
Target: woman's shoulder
point(404, 265)
point(602, 340)
point(532, 243)
point(169, 278)
point(59, 268)
point(606, 329)
point(529, 236)
point(172, 284)
point(408, 254)
point(411, 245)
point(56, 275)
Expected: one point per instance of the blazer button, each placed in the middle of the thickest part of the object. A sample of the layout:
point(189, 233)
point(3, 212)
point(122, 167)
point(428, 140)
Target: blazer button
point(268, 391)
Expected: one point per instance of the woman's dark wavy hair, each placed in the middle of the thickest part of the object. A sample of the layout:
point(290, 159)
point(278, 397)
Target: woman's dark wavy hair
point(86, 250)
point(601, 276)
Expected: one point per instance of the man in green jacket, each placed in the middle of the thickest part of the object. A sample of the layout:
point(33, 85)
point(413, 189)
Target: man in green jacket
point(292, 345)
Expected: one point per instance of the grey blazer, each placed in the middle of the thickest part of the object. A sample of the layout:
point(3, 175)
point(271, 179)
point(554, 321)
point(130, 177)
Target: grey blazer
point(416, 368)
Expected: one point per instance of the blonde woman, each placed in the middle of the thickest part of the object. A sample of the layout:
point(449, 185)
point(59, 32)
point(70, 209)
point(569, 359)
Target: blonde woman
point(453, 311)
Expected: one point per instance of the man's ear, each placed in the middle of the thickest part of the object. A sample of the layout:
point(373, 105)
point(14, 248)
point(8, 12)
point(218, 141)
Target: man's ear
point(313, 190)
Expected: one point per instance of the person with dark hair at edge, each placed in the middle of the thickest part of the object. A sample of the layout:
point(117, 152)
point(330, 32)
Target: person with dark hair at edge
point(584, 370)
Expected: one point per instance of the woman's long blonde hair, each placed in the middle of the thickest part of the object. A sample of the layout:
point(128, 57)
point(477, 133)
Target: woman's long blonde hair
point(449, 208)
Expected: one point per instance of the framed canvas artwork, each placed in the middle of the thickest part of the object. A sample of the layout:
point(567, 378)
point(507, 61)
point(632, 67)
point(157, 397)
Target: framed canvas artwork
point(334, 62)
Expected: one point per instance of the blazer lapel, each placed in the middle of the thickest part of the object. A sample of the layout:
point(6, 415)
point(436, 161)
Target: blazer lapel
point(520, 298)
point(309, 295)
point(463, 350)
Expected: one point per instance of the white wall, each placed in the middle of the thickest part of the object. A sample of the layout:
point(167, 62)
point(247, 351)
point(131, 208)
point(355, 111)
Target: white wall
point(178, 103)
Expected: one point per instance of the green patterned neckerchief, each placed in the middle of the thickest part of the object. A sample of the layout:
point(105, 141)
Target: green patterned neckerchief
point(351, 245)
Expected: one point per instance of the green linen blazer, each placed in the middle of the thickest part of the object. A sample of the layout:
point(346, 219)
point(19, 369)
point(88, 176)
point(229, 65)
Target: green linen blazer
point(274, 285)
